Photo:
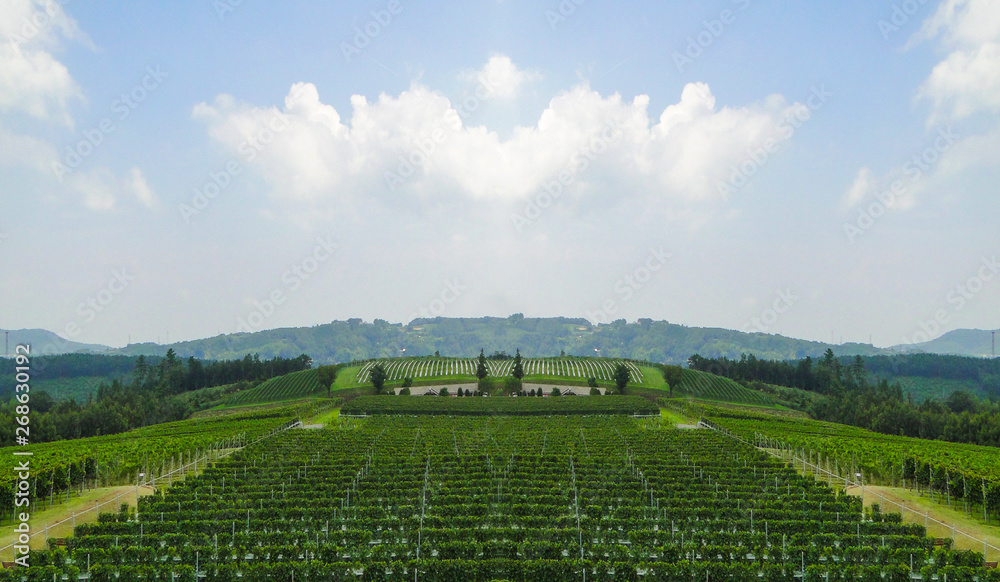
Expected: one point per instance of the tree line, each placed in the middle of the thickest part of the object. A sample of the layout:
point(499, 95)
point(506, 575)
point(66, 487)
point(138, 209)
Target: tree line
point(849, 396)
point(166, 391)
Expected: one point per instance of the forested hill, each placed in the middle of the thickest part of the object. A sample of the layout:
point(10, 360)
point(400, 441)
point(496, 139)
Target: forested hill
point(342, 341)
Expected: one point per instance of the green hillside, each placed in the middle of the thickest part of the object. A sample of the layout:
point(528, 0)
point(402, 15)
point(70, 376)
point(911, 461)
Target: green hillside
point(558, 371)
point(921, 388)
point(705, 386)
point(355, 340)
point(67, 376)
point(288, 387)
point(936, 376)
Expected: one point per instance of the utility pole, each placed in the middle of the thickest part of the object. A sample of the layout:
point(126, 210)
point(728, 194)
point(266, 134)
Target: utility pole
point(994, 336)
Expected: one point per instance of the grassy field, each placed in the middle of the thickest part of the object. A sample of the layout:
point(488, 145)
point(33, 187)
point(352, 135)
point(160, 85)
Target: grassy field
point(674, 417)
point(914, 507)
point(325, 417)
point(78, 510)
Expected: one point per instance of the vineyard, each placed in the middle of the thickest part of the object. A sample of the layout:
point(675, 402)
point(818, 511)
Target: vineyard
point(500, 406)
point(395, 498)
point(959, 471)
point(303, 384)
point(116, 459)
point(707, 386)
point(581, 368)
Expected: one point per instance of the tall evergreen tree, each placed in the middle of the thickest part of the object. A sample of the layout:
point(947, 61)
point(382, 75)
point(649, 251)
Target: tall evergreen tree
point(518, 371)
point(481, 371)
point(141, 369)
point(377, 376)
point(621, 377)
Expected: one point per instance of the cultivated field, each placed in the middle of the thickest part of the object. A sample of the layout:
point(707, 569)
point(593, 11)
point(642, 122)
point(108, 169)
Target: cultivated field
point(580, 368)
point(501, 498)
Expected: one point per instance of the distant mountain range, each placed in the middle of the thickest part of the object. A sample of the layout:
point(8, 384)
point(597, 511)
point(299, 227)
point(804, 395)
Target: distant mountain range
point(354, 339)
point(977, 343)
point(44, 343)
point(658, 341)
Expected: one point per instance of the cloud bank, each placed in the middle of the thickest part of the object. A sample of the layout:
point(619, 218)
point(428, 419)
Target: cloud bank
point(420, 144)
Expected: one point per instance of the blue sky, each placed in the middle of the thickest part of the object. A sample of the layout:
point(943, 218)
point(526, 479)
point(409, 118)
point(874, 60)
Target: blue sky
point(742, 164)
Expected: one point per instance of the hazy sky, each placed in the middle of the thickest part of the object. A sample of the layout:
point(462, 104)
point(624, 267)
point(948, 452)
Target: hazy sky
point(824, 170)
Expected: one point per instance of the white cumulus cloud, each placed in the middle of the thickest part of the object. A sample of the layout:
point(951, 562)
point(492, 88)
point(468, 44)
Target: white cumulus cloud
point(135, 184)
point(967, 81)
point(500, 77)
point(863, 185)
point(419, 144)
point(99, 189)
point(32, 80)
